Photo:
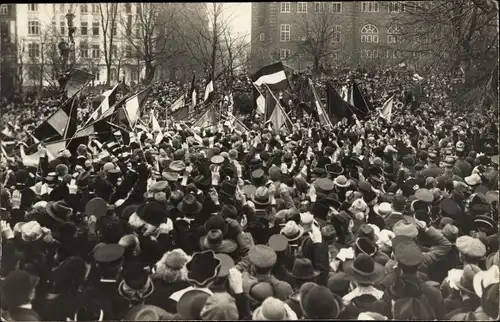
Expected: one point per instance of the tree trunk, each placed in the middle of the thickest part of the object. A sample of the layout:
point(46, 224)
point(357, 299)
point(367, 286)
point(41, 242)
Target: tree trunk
point(315, 70)
point(214, 44)
point(108, 76)
point(150, 72)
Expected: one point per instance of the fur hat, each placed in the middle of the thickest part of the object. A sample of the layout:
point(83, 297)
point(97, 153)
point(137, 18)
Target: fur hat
point(220, 307)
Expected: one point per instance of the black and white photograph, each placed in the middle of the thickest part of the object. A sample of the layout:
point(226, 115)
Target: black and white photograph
point(226, 161)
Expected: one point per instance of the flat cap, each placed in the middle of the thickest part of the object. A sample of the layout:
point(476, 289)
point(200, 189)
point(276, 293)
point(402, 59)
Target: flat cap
point(408, 253)
point(470, 247)
point(262, 256)
point(108, 253)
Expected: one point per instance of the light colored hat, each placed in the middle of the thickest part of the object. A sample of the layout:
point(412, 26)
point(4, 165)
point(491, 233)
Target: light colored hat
point(292, 231)
point(31, 231)
point(484, 279)
point(383, 209)
point(473, 180)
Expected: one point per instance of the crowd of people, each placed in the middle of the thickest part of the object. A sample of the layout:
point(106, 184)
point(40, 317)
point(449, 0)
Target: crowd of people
point(372, 221)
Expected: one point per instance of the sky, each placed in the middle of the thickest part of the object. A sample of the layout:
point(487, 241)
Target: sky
point(242, 17)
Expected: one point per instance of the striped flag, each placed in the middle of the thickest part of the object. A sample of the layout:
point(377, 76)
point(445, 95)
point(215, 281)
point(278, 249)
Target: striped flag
point(209, 89)
point(56, 126)
point(192, 92)
point(178, 104)
point(135, 104)
point(77, 79)
point(278, 117)
point(102, 104)
point(322, 116)
point(207, 119)
point(272, 75)
point(386, 110)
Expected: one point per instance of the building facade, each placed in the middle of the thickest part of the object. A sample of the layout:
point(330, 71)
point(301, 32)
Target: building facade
point(7, 49)
point(41, 27)
point(361, 33)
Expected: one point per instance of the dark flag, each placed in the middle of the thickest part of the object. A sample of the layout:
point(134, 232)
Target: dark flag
point(56, 125)
point(336, 106)
point(272, 75)
point(360, 102)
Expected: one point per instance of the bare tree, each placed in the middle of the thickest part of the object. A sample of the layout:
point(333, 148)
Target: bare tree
point(109, 19)
point(462, 33)
point(233, 51)
point(319, 37)
point(149, 31)
point(21, 66)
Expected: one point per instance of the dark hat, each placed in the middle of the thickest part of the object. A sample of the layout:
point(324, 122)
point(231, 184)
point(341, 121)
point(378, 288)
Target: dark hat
point(190, 205)
point(214, 240)
point(319, 172)
point(228, 189)
point(278, 243)
point(17, 288)
point(82, 181)
point(261, 197)
point(398, 203)
point(338, 283)
point(363, 269)
point(228, 211)
point(203, 182)
point(485, 222)
point(262, 256)
point(58, 210)
point(264, 155)
point(152, 212)
point(490, 299)
point(216, 222)
point(108, 253)
point(274, 173)
point(408, 253)
point(334, 168)
point(319, 209)
point(203, 268)
point(449, 208)
point(317, 302)
point(364, 186)
point(365, 245)
point(304, 270)
point(97, 207)
point(22, 175)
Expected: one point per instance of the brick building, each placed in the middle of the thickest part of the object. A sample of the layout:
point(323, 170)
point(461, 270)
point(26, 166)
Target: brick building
point(363, 34)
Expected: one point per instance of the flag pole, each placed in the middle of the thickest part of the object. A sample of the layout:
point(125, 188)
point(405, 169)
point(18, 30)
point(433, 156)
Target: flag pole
point(278, 104)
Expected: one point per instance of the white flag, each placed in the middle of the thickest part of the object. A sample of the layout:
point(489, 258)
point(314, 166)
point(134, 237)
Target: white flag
point(261, 104)
point(386, 110)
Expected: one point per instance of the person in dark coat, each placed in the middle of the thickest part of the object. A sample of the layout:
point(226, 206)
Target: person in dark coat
point(18, 291)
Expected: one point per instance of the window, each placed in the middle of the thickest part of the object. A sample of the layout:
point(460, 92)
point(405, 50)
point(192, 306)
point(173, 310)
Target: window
point(134, 74)
point(262, 36)
point(33, 27)
point(33, 7)
point(138, 9)
point(4, 9)
point(284, 53)
point(113, 30)
point(95, 28)
point(394, 35)
point(128, 8)
point(61, 7)
point(336, 7)
point(369, 6)
point(84, 28)
point(62, 27)
point(114, 51)
point(137, 30)
point(53, 25)
point(84, 9)
point(337, 33)
point(285, 33)
point(95, 71)
point(128, 51)
point(320, 6)
point(369, 34)
point(395, 6)
point(84, 50)
point(301, 7)
point(34, 50)
point(95, 8)
point(285, 7)
point(96, 51)
point(113, 75)
point(367, 53)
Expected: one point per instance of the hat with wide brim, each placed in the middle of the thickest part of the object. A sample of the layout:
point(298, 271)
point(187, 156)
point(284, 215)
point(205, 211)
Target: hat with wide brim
point(304, 270)
point(97, 207)
point(191, 303)
point(226, 246)
point(190, 205)
point(355, 269)
point(486, 278)
point(203, 268)
point(342, 182)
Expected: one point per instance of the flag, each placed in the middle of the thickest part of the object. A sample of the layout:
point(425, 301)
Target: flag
point(359, 101)
point(55, 126)
point(322, 116)
point(272, 75)
point(386, 110)
point(209, 89)
point(259, 100)
point(155, 126)
point(72, 124)
point(77, 79)
point(135, 104)
point(8, 131)
point(278, 117)
point(207, 119)
point(270, 103)
point(102, 104)
point(336, 106)
point(192, 93)
point(178, 104)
